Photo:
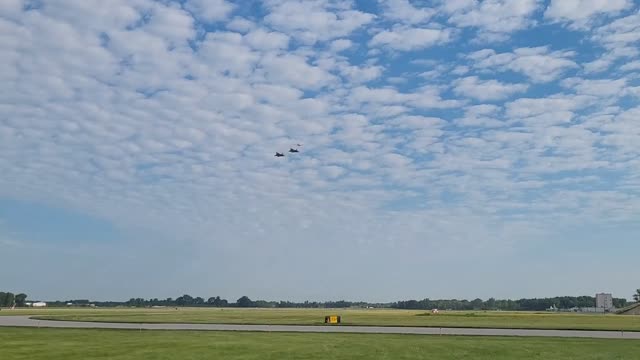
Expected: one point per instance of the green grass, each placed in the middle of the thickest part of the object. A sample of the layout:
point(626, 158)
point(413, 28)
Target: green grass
point(490, 319)
point(67, 344)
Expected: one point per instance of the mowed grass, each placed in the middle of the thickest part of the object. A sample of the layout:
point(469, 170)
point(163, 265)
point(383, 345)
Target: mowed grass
point(362, 317)
point(67, 344)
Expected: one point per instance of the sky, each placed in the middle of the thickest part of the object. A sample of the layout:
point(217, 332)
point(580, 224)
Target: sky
point(450, 149)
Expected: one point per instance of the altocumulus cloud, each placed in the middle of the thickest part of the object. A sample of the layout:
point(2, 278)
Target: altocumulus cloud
point(449, 140)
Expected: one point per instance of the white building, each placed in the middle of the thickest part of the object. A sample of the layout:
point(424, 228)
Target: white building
point(604, 301)
point(39, 304)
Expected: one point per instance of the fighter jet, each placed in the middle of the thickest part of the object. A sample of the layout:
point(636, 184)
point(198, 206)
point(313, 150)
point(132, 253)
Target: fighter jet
point(279, 154)
point(292, 150)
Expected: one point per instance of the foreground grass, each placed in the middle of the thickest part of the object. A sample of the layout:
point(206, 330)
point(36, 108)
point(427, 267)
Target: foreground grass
point(67, 344)
point(491, 319)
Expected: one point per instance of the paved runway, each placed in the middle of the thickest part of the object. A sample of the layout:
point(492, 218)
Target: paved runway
point(22, 321)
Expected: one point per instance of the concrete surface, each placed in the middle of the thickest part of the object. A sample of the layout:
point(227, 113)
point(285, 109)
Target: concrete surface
point(25, 321)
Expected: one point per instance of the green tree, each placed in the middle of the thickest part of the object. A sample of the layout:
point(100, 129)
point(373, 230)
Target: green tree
point(477, 304)
point(244, 302)
point(21, 299)
point(216, 301)
point(619, 303)
point(184, 300)
point(636, 296)
point(490, 304)
point(9, 299)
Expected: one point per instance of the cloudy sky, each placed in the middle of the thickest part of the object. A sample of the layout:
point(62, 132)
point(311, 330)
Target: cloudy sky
point(450, 148)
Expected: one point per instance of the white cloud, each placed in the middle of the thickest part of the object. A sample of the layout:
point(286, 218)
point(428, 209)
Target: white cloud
point(340, 45)
point(484, 115)
point(171, 23)
point(619, 33)
point(408, 39)
point(361, 74)
point(395, 160)
point(94, 16)
point(453, 6)
point(548, 119)
point(631, 66)
point(294, 70)
point(460, 70)
point(403, 11)
point(539, 64)
point(209, 10)
point(225, 51)
point(621, 132)
point(483, 109)
point(632, 91)
point(277, 94)
point(11, 8)
point(429, 97)
point(486, 90)
point(416, 122)
point(332, 171)
point(528, 107)
point(383, 95)
point(495, 19)
point(580, 11)
point(609, 58)
point(437, 71)
point(240, 25)
point(425, 98)
point(311, 21)
point(266, 40)
point(601, 88)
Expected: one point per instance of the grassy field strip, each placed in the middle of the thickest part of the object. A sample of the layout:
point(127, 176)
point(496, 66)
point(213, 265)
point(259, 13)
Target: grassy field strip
point(489, 319)
point(66, 344)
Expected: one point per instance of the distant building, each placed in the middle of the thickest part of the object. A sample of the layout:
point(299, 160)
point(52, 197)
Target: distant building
point(604, 301)
point(39, 304)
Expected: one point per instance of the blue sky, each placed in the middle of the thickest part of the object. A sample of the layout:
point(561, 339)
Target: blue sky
point(450, 148)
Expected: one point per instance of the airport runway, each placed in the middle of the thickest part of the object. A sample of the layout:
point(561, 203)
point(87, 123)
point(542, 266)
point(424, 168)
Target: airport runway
point(25, 321)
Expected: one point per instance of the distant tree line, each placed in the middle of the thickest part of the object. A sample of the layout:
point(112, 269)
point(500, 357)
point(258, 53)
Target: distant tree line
point(214, 301)
point(561, 302)
point(9, 299)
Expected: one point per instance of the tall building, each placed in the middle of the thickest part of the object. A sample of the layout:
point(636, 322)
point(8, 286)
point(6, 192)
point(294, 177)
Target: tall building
point(604, 301)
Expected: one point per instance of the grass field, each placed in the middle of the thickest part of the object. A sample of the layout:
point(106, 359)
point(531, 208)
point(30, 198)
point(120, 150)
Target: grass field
point(66, 344)
point(524, 320)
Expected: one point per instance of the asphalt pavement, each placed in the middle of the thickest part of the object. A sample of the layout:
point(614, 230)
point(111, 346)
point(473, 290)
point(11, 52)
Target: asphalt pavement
point(25, 321)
